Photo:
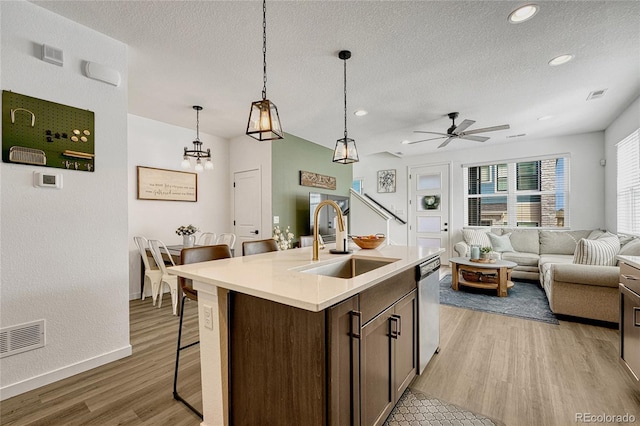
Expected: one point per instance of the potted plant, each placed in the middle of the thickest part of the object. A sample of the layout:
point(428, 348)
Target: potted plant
point(485, 253)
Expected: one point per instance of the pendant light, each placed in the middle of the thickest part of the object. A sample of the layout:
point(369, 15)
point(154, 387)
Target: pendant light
point(197, 151)
point(345, 151)
point(264, 122)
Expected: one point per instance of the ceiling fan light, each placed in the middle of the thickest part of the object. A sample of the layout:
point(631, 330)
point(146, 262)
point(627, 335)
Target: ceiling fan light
point(523, 13)
point(345, 151)
point(559, 60)
point(264, 121)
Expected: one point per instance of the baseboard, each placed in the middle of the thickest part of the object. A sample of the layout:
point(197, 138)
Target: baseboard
point(62, 373)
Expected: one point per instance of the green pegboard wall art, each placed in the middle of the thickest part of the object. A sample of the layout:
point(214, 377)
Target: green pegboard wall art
point(43, 133)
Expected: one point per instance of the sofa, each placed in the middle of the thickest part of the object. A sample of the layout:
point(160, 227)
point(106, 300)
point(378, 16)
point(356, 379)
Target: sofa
point(578, 270)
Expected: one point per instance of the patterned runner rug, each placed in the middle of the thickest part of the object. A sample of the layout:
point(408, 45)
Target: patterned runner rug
point(416, 409)
point(526, 300)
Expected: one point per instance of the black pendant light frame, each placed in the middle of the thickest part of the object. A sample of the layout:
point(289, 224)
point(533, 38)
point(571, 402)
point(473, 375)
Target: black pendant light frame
point(197, 151)
point(264, 121)
point(345, 151)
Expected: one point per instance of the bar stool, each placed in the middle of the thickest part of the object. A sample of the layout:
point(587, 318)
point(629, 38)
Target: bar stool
point(193, 255)
point(259, 246)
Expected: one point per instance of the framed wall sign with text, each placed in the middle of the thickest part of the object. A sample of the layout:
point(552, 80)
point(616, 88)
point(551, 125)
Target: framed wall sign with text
point(167, 185)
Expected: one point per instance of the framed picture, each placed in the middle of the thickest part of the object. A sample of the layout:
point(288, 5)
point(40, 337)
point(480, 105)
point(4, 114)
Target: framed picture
point(386, 181)
point(167, 185)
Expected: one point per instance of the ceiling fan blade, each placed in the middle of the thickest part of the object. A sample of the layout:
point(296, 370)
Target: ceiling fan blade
point(424, 140)
point(474, 138)
point(445, 143)
point(487, 129)
point(431, 133)
point(463, 125)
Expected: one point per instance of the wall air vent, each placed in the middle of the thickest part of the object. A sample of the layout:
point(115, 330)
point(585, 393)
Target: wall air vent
point(596, 94)
point(21, 338)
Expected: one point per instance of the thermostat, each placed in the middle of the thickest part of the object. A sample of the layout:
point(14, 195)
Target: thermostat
point(47, 180)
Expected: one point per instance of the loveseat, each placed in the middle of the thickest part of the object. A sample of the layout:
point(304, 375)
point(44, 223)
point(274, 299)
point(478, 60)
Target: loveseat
point(578, 270)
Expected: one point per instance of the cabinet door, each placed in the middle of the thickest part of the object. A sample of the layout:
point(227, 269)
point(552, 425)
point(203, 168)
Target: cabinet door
point(630, 331)
point(376, 384)
point(405, 342)
point(343, 327)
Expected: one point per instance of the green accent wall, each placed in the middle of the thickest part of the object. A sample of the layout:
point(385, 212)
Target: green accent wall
point(291, 200)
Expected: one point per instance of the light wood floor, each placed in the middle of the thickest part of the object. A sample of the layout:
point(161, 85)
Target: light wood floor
point(516, 371)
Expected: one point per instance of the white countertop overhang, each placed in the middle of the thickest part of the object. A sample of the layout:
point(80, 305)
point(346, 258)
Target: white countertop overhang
point(277, 276)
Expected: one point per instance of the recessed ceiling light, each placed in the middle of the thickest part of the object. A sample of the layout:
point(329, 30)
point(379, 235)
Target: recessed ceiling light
point(523, 13)
point(545, 117)
point(559, 60)
point(361, 112)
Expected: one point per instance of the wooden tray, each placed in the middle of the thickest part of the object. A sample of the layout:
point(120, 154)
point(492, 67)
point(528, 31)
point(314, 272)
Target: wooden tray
point(483, 260)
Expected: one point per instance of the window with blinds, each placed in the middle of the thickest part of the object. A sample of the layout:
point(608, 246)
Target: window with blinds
point(525, 193)
point(629, 184)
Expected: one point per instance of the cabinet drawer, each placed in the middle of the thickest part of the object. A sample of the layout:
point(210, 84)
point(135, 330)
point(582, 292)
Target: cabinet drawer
point(630, 277)
point(630, 332)
point(380, 297)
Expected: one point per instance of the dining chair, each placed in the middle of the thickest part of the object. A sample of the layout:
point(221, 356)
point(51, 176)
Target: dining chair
point(170, 280)
point(227, 238)
point(259, 246)
point(207, 239)
point(193, 255)
point(152, 274)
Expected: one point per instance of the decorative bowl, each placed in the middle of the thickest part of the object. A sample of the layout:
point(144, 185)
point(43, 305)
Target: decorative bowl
point(368, 241)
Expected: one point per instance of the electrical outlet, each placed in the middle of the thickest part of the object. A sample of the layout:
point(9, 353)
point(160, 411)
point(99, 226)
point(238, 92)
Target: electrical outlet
point(208, 317)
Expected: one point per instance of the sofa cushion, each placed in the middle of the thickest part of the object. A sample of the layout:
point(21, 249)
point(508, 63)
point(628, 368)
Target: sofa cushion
point(632, 248)
point(555, 258)
point(500, 243)
point(525, 259)
point(601, 251)
point(523, 240)
point(476, 237)
point(561, 242)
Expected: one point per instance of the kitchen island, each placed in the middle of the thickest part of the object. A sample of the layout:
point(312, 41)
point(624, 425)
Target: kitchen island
point(288, 340)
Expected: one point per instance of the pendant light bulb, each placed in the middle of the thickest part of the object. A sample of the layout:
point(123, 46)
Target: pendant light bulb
point(199, 166)
point(186, 164)
point(208, 165)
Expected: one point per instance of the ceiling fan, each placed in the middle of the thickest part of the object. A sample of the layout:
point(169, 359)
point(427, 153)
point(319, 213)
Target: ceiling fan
point(459, 131)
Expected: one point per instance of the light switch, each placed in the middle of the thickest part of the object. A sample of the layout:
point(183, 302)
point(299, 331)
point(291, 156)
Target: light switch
point(276, 219)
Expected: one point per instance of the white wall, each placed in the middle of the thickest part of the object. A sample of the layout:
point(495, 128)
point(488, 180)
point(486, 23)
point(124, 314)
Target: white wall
point(156, 144)
point(586, 185)
point(247, 153)
point(623, 126)
point(64, 252)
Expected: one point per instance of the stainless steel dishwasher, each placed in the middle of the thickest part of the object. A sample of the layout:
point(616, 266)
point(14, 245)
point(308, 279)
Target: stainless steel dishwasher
point(428, 280)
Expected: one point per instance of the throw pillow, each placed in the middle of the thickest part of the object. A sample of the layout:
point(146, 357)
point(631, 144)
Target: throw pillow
point(476, 237)
point(500, 243)
point(601, 251)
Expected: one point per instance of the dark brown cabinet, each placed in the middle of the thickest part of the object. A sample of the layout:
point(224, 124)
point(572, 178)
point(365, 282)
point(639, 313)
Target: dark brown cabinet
point(346, 365)
point(630, 320)
point(388, 359)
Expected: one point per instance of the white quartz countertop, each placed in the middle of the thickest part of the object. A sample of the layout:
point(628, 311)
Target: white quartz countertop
point(277, 276)
point(630, 260)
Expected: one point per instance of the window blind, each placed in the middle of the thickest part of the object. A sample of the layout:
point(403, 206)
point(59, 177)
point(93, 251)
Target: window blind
point(628, 180)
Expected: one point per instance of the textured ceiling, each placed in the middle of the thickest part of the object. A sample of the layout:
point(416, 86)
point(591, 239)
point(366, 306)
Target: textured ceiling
point(412, 63)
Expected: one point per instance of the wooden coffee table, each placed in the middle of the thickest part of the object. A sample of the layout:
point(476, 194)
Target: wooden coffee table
point(502, 268)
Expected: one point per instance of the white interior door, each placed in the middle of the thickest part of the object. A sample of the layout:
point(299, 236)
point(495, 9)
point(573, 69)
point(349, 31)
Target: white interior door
point(247, 206)
point(429, 207)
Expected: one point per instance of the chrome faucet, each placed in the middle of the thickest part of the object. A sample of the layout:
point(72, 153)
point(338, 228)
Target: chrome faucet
point(316, 243)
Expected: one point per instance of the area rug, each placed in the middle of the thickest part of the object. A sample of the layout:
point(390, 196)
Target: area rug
point(526, 300)
point(417, 409)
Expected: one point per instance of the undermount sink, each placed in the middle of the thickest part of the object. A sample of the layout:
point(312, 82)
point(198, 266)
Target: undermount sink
point(348, 268)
